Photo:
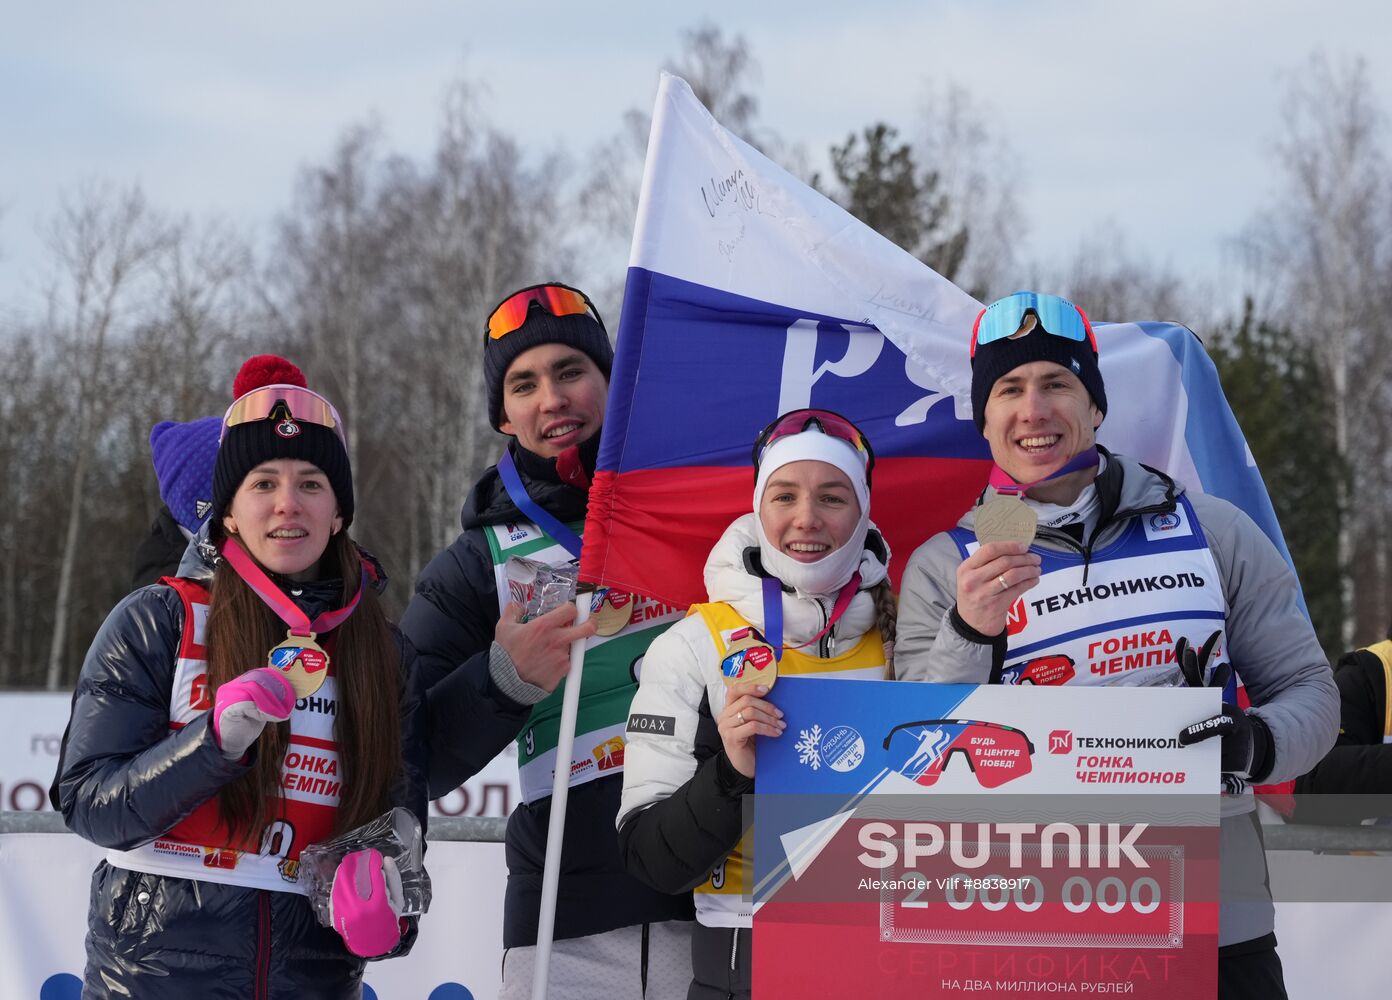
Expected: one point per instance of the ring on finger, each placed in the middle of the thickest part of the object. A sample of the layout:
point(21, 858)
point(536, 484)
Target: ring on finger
point(1001, 580)
point(740, 716)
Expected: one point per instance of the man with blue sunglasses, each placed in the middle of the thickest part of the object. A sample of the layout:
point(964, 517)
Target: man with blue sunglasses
point(1070, 546)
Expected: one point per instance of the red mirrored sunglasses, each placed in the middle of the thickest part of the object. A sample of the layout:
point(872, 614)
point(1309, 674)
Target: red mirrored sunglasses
point(558, 300)
point(829, 423)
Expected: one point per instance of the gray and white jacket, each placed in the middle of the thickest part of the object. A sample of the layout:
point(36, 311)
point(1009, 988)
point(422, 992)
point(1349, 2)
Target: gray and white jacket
point(1269, 641)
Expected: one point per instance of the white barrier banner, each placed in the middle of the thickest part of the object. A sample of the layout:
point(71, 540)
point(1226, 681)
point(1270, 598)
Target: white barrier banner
point(45, 880)
point(31, 732)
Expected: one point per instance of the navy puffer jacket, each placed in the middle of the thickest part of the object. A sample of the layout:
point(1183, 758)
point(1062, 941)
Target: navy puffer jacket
point(451, 621)
point(124, 780)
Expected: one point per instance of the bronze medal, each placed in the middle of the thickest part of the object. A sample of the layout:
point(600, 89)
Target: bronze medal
point(302, 662)
point(748, 659)
point(611, 610)
point(1005, 518)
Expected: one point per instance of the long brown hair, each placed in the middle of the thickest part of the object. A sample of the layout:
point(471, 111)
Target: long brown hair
point(886, 620)
point(367, 720)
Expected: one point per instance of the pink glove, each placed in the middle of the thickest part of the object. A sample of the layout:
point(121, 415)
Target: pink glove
point(243, 706)
point(365, 905)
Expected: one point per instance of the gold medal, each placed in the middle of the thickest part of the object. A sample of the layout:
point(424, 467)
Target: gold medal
point(302, 662)
point(748, 659)
point(611, 610)
point(1005, 518)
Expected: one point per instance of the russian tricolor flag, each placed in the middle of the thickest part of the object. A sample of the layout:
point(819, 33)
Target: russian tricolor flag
point(750, 294)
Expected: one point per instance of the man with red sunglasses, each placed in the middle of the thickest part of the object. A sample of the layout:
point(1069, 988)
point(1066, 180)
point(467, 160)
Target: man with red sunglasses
point(493, 677)
point(1073, 551)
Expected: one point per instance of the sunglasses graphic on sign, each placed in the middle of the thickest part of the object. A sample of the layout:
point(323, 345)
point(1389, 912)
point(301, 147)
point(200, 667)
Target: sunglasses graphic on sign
point(995, 753)
point(1044, 670)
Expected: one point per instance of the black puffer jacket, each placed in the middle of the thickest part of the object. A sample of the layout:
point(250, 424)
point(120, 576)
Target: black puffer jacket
point(450, 621)
point(160, 552)
point(124, 779)
point(1354, 781)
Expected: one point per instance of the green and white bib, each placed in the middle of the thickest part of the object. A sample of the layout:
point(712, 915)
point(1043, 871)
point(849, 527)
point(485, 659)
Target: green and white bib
point(612, 665)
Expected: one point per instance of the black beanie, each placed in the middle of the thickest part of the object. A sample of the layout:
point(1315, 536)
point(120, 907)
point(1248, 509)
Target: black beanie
point(245, 446)
point(1000, 357)
point(580, 330)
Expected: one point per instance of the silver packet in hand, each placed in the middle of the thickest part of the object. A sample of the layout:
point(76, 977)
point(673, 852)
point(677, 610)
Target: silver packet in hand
point(397, 835)
point(540, 587)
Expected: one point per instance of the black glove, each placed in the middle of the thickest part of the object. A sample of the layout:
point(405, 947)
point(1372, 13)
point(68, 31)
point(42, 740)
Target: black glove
point(1193, 664)
point(1246, 753)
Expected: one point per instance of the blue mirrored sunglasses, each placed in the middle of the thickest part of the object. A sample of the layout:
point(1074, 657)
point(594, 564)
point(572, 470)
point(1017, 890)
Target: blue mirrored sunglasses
point(1058, 317)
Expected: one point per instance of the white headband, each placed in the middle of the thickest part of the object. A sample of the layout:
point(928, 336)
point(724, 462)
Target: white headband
point(812, 445)
point(830, 573)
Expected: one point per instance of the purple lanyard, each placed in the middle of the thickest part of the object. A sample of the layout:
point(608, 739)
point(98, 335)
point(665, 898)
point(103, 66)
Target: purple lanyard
point(1002, 482)
point(264, 587)
point(773, 612)
point(543, 518)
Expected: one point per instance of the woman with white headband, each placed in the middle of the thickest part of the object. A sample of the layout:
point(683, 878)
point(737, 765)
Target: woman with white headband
point(797, 587)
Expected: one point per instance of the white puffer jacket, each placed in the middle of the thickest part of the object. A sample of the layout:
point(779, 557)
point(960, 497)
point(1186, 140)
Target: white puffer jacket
point(680, 683)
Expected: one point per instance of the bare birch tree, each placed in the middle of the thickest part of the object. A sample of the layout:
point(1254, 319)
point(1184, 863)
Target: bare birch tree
point(104, 243)
point(723, 74)
point(977, 176)
point(1115, 282)
point(386, 267)
point(20, 416)
point(1325, 251)
point(203, 315)
point(479, 223)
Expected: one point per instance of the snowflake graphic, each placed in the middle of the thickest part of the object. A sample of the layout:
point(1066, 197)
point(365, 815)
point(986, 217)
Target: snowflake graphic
point(807, 746)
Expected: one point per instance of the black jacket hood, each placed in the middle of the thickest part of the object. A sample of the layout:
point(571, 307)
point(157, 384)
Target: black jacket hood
point(488, 502)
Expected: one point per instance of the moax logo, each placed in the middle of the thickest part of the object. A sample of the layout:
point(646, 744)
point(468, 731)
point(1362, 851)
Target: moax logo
point(1061, 741)
point(1164, 522)
point(657, 725)
point(1016, 618)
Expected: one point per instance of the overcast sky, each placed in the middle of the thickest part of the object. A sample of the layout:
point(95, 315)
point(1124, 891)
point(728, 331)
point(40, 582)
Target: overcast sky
point(1157, 117)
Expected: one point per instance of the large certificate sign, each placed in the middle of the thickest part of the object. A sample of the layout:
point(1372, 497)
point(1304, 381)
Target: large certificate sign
point(923, 840)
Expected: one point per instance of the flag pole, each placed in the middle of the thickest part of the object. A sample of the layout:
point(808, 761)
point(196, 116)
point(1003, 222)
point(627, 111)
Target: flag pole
point(560, 791)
